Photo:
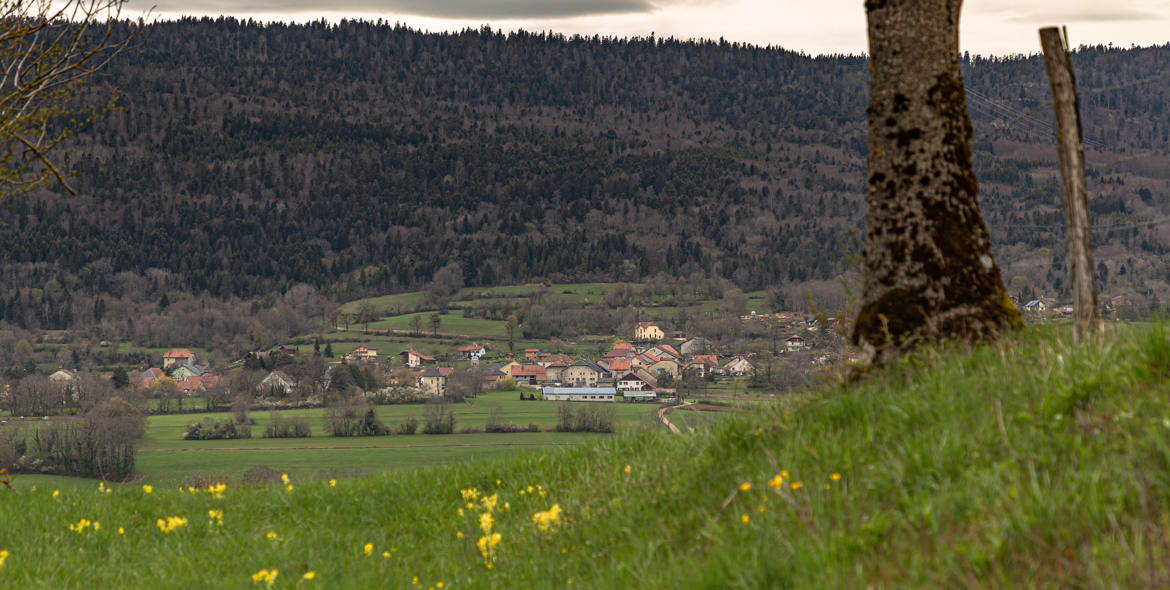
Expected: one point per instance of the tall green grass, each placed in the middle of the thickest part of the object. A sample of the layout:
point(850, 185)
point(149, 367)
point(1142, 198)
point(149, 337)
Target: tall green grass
point(1028, 463)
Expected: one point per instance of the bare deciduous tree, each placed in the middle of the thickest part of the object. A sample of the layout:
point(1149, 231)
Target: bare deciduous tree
point(47, 50)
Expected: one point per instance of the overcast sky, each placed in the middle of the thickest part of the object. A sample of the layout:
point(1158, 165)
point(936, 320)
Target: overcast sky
point(995, 27)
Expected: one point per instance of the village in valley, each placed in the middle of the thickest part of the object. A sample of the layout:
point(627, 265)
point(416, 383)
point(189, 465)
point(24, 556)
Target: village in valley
point(649, 367)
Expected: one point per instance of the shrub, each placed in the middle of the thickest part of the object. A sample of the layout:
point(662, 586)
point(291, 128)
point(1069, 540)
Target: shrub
point(280, 427)
point(261, 475)
point(496, 424)
point(216, 430)
point(589, 417)
point(409, 425)
point(101, 444)
point(438, 418)
point(349, 420)
point(533, 427)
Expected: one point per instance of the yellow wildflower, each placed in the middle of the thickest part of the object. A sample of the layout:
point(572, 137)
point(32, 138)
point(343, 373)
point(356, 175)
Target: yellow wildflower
point(385, 555)
point(784, 474)
point(414, 580)
point(489, 502)
point(3, 556)
point(796, 485)
point(56, 493)
point(460, 512)
point(485, 522)
point(309, 575)
point(776, 481)
point(147, 489)
point(744, 518)
point(333, 483)
point(835, 476)
point(470, 494)
point(458, 534)
point(215, 517)
point(368, 549)
point(289, 487)
point(547, 520)
point(627, 469)
point(121, 531)
point(271, 536)
point(439, 584)
point(284, 478)
point(268, 576)
point(172, 523)
point(745, 486)
point(97, 526)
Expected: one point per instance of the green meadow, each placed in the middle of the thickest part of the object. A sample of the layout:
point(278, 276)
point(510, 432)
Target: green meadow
point(165, 459)
point(1032, 462)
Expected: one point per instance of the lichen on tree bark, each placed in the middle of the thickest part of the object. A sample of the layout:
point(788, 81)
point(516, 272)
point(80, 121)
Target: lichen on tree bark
point(928, 273)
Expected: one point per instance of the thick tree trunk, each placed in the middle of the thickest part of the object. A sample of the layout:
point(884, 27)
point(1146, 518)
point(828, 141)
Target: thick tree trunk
point(929, 273)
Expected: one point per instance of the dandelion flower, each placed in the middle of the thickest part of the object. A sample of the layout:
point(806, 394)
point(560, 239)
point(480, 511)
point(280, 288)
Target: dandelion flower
point(776, 481)
point(368, 549)
point(439, 584)
point(796, 485)
point(745, 518)
point(760, 509)
point(97, 526)
point(3, 556)
point(56, 493)
point(333, 483)
point(271, 536)
point(458, 534)
point(309, 576)
point(627, 469)
point(835, 476)
point(284, 478)
point(745, 486)
point(121, 531)
point(289, 487)
point(414, 580)
point(784, 474)
point(147, 489)
point(268, 576)
point(385, 555)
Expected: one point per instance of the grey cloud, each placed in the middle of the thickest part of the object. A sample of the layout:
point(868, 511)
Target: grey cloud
point(1087, 15)
point(455, 9)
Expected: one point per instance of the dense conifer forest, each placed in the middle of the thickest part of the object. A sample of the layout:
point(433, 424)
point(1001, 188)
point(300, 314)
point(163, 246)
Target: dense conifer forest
point(361, 158)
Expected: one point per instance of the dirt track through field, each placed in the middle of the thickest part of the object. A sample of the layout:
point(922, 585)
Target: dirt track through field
point(510, 444)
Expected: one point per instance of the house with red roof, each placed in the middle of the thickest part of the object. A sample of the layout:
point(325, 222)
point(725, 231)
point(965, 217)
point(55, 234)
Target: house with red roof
point(529, 374)
point(149, 376)
point(414, 358)
point(473, 352)
point(616, 366)
point(177, 357)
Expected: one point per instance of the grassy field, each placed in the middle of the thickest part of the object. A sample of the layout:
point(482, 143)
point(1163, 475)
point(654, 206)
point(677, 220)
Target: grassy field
point(451, 322)
point(1029, 463)
point(166, 459)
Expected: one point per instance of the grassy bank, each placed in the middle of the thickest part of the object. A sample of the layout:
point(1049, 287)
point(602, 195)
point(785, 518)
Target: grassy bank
point(1031, 463)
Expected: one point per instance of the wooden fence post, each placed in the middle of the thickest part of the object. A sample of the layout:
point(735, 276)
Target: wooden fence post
point(1072, 173)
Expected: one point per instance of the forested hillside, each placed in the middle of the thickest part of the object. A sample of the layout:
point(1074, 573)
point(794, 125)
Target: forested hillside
point(363, 158)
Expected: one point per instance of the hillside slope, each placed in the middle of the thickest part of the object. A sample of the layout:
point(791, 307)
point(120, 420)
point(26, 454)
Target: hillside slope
point(363, 158)
point(1026, 464)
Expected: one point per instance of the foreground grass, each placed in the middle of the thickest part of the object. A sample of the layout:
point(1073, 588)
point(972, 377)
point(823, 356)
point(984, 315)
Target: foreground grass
point(1031, 463)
